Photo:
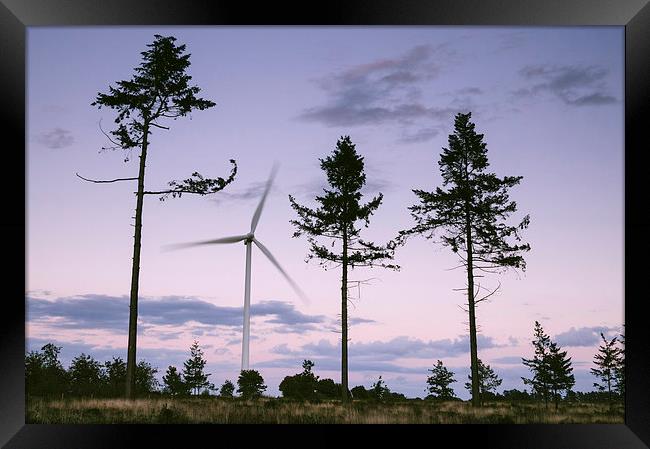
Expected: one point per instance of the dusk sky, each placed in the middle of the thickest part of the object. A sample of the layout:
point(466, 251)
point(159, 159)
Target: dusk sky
point(549, 101)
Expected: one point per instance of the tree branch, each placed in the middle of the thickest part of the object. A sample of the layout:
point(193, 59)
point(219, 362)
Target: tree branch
point(117, 145)
point(158, 126)
point(106, 181)
point(488, 295)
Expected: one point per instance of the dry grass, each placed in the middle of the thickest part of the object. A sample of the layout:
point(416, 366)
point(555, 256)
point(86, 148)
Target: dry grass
point(277, 411)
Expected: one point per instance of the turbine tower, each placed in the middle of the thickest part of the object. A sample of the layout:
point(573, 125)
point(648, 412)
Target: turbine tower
point(248, 240)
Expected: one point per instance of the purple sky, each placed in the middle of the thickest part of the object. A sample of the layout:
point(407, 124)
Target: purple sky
point(549, 101)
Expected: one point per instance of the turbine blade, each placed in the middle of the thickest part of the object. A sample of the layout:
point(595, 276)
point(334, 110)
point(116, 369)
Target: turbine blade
point(232, 239)
point(268, 254)
point(258, 211)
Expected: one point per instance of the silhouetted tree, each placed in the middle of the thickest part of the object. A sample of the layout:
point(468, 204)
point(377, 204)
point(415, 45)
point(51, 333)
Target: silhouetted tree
point(44, 373)
point(379, 391)
point(227, 389)
point(251, 384)
point(550, 366)
point(360, 392)
point(173, 382)
point(488, 380)
point(471, 214)
point(516, 395)
point(439, 382)
point(193, 375)
point(539, 364)
point(560, 370)
point(336, 218)
point(145, 379)
point(86, 376)
point(607, 359)
point(158, 90)
point(328, 389)
point(115, 372)
point(302, 386)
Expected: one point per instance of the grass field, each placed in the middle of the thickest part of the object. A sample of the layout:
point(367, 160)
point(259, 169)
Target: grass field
point(278, 411)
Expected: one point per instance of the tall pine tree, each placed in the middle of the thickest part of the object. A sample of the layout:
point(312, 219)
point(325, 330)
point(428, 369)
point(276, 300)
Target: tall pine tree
point(471, 213)
point(159, 90)
point(337, 217)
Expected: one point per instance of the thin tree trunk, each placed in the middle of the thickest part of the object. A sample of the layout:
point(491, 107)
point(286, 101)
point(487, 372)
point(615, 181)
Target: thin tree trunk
point(472, 314)
point(344, 322)
point(609, 393)
point(135, 272)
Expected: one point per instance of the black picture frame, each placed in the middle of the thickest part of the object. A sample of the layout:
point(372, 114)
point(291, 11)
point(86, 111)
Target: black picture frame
point(634, 15)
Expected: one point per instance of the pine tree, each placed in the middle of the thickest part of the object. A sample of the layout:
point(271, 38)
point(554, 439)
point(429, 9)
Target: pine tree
point(550, 366)
point(560, 369)
point(159, 90)
point(471, 214)
point(193, 374)
point(173, 382)
point(607, 359)
point(488, 380)
point(439, 382)
point(539, 364)
point(340, 209)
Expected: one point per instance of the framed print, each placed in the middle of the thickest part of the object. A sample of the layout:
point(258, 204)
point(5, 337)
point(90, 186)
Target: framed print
point(429, 215)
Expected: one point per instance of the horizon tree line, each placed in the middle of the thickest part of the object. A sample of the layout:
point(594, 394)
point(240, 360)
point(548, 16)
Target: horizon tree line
point(550, 368)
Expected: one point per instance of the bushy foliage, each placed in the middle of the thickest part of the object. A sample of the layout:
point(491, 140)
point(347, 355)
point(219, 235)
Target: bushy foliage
point(115, 372)
point(359, 392)
point(517, 395)
point(379, 391)
point(328, 389)
point(86, 376)
point(44, 373)
point(302, 386)
point(251, 384)
point(227, 389)
point(145, 380)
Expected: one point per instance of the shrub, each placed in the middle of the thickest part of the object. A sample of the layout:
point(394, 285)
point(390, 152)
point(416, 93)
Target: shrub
point(251, 384)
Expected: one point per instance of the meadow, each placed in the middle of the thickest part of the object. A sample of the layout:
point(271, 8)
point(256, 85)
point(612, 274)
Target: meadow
point(214, 410)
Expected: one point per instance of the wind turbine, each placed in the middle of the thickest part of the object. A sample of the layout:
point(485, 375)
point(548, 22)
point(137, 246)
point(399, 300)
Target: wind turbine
point(248, 240)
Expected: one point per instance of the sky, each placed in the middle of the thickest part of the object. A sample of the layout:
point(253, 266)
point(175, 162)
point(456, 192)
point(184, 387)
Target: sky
point(549, 102)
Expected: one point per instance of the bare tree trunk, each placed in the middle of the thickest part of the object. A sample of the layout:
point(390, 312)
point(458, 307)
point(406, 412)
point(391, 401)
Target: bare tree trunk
point(344, 323)
point(135, 272)
point(473, 345)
